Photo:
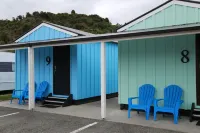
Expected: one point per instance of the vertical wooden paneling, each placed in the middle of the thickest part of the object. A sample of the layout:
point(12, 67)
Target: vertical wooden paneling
point(160, 65)
point(172, 15)
point(79, 73)
point(92, 63)
point(120, 45)
point(180, 19)
point(150, 61)
point(141, 61)
point(73, 70)
point(191, 72)
point(191, 15)
point(108, 68)
point(158, 62)
point(89, 75)
point(132, 69)
point(170, 59)
point(43, 72)
point(124, 73)
point(84, 65)
point(97, 72)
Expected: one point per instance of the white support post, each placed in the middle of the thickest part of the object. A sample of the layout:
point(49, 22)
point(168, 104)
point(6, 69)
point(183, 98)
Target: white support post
point(103, 80)
point(31, 78)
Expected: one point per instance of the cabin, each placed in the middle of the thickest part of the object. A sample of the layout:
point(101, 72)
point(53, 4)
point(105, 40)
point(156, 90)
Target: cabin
point(165, 60)
point(7, 71)
point(72, 71)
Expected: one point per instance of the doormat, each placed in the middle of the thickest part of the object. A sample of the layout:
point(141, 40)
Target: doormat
point(50, 106)
point(198, 123)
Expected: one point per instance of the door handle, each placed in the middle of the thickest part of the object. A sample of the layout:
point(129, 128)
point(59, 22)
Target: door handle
point(54, 69)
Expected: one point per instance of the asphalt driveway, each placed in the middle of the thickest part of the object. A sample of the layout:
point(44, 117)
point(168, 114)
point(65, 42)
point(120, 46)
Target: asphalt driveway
point(23, 121)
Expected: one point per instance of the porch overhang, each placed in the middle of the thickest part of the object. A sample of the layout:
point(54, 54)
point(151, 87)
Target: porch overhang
point(186, 29)
point(139, 34)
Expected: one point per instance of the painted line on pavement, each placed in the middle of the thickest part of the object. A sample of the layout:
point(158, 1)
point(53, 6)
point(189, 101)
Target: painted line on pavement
point(9, 114)
point(83, 128)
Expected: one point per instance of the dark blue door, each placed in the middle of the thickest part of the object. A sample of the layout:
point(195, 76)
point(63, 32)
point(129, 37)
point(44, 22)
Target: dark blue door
point(61, 61)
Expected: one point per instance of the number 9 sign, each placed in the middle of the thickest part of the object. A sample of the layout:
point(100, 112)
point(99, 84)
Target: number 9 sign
point(48, 60)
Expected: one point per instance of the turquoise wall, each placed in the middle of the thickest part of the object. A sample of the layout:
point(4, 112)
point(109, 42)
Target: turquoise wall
point(172, 15)
point(88, 74)
point(157, 61)
point(84, 65)
point(43, 72)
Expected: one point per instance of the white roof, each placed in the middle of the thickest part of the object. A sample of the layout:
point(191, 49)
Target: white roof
point(7, 57)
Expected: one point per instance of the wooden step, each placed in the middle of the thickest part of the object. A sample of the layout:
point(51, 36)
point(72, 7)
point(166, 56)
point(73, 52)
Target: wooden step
point(62, 98)
point(59, 101)
point(195, 115)
point(52, 101)
point(51, 106)
point(197, 109)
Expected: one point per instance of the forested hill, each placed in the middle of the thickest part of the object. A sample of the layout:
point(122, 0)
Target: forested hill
point(10, 30)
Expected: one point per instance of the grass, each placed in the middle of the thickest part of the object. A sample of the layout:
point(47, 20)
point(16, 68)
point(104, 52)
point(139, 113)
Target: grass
point(5, 97)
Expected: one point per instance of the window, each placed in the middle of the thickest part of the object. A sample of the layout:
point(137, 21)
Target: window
point(13, 66)
point(6, 67)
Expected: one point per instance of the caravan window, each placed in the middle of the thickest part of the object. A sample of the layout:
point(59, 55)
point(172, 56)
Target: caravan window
point(6, 67)
point(13, 66)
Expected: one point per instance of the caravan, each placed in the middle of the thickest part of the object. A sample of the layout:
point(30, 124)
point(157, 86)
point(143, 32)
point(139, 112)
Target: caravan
point(7, 71)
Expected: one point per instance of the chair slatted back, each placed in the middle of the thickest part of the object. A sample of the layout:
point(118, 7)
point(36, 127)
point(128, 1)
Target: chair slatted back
point(146, 93)
point(41, 89)
point(172, 95)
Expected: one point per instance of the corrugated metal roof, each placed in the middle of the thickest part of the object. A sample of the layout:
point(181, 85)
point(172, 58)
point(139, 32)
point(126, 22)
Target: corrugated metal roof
point(83, 33)
point(192, 28)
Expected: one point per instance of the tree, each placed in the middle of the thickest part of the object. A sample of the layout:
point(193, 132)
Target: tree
point(73, 12)
point(36, 14)
point(19, 17)
point(28, 15)
point(4, 38)
point(10, 30)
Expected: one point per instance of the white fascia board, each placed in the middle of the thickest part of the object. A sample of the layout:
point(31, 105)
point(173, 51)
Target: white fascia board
point(47, 25)
point(183, 3)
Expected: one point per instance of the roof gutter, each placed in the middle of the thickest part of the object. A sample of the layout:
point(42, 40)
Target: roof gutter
point(140, 34)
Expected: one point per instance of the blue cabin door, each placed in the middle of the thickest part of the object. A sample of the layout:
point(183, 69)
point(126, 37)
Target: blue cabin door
point(61, 63)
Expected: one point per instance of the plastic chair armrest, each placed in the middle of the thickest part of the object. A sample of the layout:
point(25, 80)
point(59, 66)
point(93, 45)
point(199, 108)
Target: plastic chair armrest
point(156, 102)
point(130, 100)
point(178, 104)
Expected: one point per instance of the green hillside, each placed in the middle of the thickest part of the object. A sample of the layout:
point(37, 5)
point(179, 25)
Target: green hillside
point(10, 30)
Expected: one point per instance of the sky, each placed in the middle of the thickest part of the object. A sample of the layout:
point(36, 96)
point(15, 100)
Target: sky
point(118, 11)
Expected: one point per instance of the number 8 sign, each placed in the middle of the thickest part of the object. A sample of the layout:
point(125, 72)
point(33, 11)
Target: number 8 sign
point(185, 54)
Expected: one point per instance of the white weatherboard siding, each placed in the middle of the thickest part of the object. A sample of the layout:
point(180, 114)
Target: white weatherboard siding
point(7, 79)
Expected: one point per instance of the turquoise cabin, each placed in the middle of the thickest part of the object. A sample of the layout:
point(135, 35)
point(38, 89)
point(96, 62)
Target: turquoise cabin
point(158, 61)
point(70, 70)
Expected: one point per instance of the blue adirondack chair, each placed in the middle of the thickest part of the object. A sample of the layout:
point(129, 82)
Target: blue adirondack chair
point(19, 94)
point(145, 100)
point(39, 94)
point(172, 102)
